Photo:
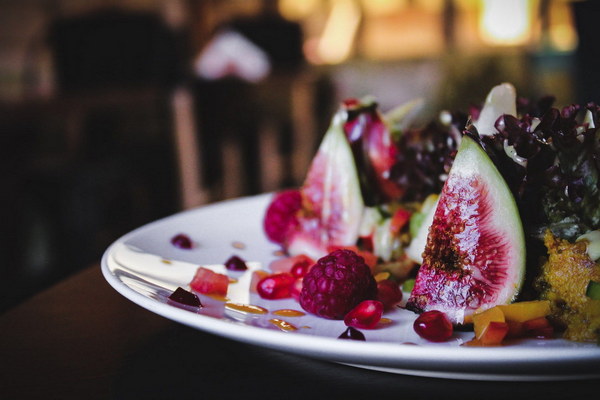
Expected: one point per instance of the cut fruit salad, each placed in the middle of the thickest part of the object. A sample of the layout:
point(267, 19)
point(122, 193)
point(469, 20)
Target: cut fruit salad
point(461, 207)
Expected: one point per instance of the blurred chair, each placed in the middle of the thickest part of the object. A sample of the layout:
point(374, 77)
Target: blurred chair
point(193, 191)
point(100, 159)
point(256, 102)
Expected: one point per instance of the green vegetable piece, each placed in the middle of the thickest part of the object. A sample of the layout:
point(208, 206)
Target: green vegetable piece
point(408, 285)
point(593, 290)
point(416, 220)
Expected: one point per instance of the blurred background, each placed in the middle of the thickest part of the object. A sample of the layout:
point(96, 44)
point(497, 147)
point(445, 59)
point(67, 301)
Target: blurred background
point(117, 113)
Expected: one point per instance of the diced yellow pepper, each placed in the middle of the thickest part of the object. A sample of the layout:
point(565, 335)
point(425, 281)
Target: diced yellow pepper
point(525, 310)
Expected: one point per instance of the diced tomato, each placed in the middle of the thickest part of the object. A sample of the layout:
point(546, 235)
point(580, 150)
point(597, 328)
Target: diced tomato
point(539, 328)
point(209, 282)
point(515, 329)
point(399, 220)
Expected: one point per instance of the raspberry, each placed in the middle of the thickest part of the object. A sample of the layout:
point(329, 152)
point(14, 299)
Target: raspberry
point(336, 284)
point(280, 217)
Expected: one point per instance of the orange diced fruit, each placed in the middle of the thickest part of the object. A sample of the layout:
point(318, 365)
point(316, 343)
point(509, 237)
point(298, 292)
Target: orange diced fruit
point(473, 343)
point(256, 277)
point(494, 333)
point(525, 310)
point(482, 320)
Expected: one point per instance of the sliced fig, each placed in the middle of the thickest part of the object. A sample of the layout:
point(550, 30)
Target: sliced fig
point(332, 203)
point(475, 253)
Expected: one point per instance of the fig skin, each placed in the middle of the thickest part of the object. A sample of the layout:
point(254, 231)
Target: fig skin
point(475, 253)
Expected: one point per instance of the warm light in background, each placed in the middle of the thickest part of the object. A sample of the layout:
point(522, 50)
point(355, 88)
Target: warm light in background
point(337, 41)
point(295, 10)
point(561, 30)
point(505, 22)
point(383, 7)
point(337, 30)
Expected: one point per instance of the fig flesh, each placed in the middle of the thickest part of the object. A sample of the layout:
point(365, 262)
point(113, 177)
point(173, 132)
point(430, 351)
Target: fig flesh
point(332, 203)
point(474, 258)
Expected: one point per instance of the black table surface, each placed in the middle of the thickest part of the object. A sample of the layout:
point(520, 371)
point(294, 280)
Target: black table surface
point(81, 339)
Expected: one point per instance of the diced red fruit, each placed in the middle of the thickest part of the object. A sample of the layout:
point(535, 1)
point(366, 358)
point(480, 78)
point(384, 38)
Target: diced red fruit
point(539, 328)
point(276, 286)
point(389, 293)
point(352, 334)
point(182, 296)
point(494, 333)
point(434, 326)
point(366, 243)
point(235, 263)
point(365, 315)
point(399, 220)
point(280, 218)
point(209, 282)
point(182, 241)
point(336, 284)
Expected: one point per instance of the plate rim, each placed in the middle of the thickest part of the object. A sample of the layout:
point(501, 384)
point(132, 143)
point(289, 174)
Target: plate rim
point(455, 362)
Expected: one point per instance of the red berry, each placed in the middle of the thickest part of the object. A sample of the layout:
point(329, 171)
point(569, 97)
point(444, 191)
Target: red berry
point(434, 326)
point(366, 315)
point(336, 284)
point(277, 286)
point(388, 293)
point(235, 264)
point(280, 217)
point(182, 241)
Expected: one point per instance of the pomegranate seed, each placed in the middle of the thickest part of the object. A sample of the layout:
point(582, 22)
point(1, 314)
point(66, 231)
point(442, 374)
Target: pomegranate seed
point(182, 241)
point(296, 289)
point(365, 315)
point(352, 334)
point(235, 264)
point(388, 293)
point(300, 268)
point(277, 286)
point(182, 296)
point(433, 326)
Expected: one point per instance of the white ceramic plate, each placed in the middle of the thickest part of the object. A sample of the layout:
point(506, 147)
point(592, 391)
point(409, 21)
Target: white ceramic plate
point(145, 268)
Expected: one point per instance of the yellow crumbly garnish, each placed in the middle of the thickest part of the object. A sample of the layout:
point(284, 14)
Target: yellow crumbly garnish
point(563, 280)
